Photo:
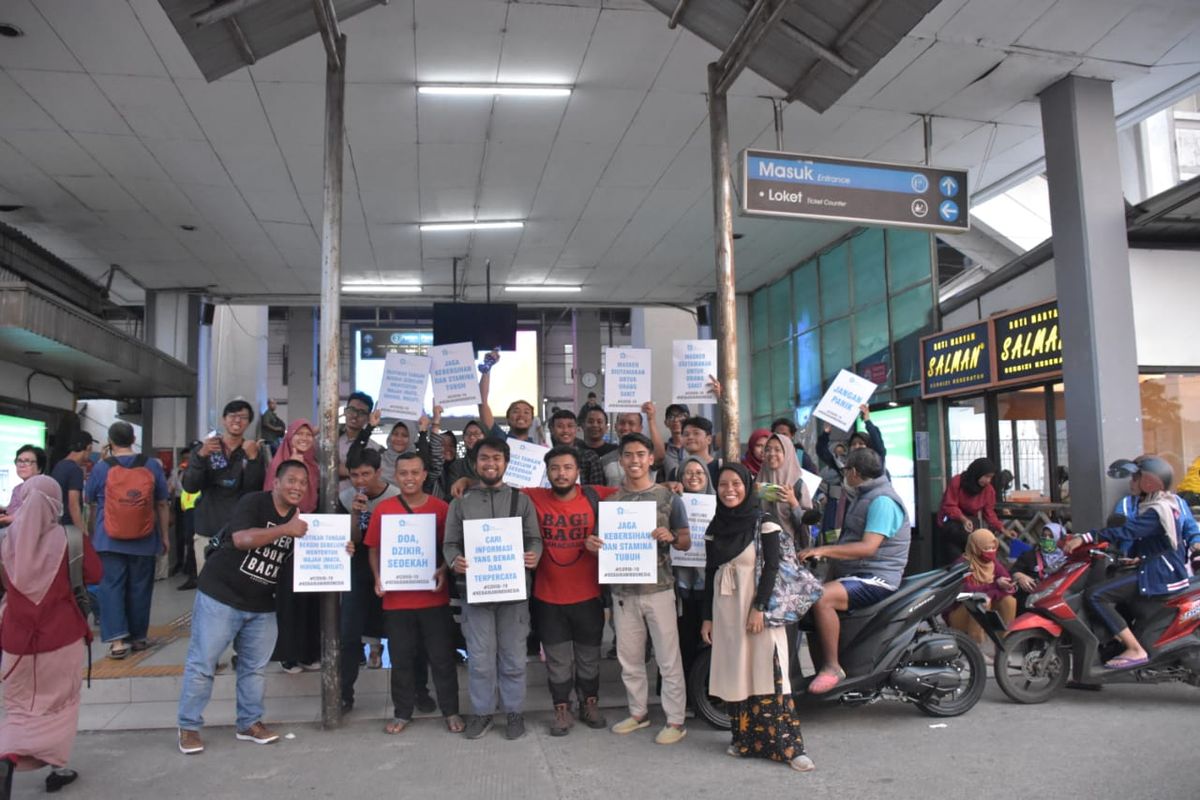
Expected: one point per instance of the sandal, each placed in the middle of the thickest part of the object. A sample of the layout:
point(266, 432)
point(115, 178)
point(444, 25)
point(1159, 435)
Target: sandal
point(140, 645)
point(118, 653)
point(825, 681)
point(455, 724)
point(1125, 662)
point(396, 726)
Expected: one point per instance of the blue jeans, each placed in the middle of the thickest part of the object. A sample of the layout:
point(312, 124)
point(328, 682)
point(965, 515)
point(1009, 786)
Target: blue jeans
point(124, 593)
point(496, 634)
point(214, 627)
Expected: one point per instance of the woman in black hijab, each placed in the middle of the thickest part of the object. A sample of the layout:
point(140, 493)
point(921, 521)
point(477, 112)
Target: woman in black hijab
point(968, 503)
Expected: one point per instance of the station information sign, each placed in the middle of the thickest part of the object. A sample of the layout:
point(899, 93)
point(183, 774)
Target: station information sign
point(849, 190)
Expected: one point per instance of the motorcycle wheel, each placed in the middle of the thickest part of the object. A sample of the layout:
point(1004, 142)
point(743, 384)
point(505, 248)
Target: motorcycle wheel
point(962, 700)
point(1032, 666)
point(710, 709)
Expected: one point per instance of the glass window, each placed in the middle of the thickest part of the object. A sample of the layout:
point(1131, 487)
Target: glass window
point(835, 348)
point(808, 368)
point(835, 282)
point(1024, 445)
point(908, 258)
point(779, 300)
point(966, 429)
point(758, 320)
point(1171, 419)
point(760, 389)
point(806, 299)
point(783, 397)
point(871, 334)
point(869, 283)
point(912, 318)
point(1063, 475)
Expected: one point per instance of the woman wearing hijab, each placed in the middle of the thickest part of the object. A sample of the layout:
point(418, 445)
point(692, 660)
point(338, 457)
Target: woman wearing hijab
point(969, 502)
point(986, 576)
point(749, 659)
point(1037, 562)
point(784, 495)
point(753, 459)
point(689, 581)
point(42, 639)
point(297, 615)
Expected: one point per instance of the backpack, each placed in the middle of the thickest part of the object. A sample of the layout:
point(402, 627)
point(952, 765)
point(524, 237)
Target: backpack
point(128, 499)
point(796, 588)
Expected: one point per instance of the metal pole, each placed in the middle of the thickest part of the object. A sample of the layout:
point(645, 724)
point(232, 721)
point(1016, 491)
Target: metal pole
point(777, 107)
point(726, 306)
point(331, 323)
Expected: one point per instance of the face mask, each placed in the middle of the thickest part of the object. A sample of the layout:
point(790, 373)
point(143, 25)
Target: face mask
point(988, 555)
point(1048, 545)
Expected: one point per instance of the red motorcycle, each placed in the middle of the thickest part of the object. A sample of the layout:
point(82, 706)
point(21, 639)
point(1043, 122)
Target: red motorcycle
point(1059, 637)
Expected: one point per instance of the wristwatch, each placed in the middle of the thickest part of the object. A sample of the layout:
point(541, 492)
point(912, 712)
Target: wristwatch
point(759, 606)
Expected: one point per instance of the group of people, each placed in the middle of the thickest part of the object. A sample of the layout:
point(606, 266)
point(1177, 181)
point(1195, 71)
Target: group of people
point(244, 505)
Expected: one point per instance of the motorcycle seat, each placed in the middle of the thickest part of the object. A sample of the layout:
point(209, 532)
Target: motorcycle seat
point(909, 586)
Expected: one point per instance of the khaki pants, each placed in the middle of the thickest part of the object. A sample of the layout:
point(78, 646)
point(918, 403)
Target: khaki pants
point(961, 619)
point(633, 613)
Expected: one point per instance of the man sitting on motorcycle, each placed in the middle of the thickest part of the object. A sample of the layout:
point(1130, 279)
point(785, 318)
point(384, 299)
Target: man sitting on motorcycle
point(868, 559)
point(1128, 505)
point(1153, 537)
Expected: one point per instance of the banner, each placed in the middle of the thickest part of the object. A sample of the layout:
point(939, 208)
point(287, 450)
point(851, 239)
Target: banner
point(495, 554)
point(692, 361)
point(1028, 346)
point(407, 552)
point(526, 464)
point(957, 360)
point(629, 554)
point(402, 391)
point(701, 508)
point(626, 379)
point(320, 561)
point(840, 405)
point(452, 370)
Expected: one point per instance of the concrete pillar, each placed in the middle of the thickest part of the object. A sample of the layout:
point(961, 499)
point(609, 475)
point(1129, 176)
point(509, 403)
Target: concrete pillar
point(586, 332)
point(656, 328)
point(301, 376)
point(238, 360)
point(1091, 270)
point(745, 367)
point(172, 325)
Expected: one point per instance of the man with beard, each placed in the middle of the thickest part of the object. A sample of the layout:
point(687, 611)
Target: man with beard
point(564, 429)
point(567, 605)
point(495, 631)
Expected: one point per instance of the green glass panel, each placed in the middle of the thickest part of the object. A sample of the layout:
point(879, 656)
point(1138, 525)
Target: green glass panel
point(871, 334)
point(779, 302)
point(808, 367)
point(870, 285)
point(908, 258)
point(835, 282)
point(761, 384)
point(806, 301)
point(783, 390)
point(912, 311)
point(835, 348)
point(758, 321)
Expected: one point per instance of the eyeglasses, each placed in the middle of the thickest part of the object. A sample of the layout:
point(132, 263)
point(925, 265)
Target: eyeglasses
point(26, 461)
point(351, 411)
point(237, 418)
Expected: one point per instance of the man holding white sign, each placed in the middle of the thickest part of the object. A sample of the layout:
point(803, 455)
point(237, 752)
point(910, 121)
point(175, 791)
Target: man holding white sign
point(642, 605)
point(495, 631)
point(416, 616)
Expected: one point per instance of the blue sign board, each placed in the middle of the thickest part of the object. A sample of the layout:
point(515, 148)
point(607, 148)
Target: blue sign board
point(848, 190)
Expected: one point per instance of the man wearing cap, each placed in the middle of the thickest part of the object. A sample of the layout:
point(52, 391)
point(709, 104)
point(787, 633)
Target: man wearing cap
point(69, 474)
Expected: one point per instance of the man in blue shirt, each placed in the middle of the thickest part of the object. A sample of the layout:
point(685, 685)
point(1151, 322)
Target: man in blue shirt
point(69, 474)
point(127, 494)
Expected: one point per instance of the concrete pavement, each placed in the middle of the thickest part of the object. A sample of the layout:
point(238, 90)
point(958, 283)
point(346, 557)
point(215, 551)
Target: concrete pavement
point(1124, 742)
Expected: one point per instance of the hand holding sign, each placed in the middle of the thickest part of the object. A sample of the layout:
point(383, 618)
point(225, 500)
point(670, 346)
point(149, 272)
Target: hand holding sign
point(626, 378)
point(694, 361)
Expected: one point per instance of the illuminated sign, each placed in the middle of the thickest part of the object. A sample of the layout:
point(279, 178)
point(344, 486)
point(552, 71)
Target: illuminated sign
point(1028, 344)
point(957, 361)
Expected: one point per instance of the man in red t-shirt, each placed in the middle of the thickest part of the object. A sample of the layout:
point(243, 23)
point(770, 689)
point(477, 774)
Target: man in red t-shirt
point(566, 588)
point(412, 618)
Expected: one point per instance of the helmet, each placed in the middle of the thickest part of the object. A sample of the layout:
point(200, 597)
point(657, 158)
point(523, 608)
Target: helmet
point(1157, 467)
point(1122, 468)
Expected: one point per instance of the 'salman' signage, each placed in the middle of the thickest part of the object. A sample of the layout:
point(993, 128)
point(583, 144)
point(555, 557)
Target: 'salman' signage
point(957, 360)
point(1028, 344)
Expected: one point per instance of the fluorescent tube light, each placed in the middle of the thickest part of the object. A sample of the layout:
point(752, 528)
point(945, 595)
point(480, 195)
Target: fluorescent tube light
point(381, 288)
point(495, 89)
point(541, 289)
point(471, 226)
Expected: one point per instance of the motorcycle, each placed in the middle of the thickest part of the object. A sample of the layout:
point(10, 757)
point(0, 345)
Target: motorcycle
point(897, 649)
point(1059, 637)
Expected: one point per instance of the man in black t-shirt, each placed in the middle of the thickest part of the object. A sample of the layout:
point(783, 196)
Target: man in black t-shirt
point(236, 603)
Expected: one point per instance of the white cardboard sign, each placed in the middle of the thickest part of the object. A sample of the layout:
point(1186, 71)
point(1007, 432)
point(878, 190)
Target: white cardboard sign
point(452, 370)
point(526, 464)
point(402, 390)
point(495, 554)
point(629, 554)
point(407, 552)
point(701, 508)
point(693, 361)
point(840, 405)
point(320, 561)
point(626, 379)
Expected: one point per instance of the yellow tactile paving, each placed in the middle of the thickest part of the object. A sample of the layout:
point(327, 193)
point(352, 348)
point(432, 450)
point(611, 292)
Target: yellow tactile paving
point(130, 667)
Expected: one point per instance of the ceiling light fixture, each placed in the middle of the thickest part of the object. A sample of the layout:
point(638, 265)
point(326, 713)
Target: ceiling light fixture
point(542, 289)
point(471, 226)
point(188, 228)
point(381, 288)
point(495, 89)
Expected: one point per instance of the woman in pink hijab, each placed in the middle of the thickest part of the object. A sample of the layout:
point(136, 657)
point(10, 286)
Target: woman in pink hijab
point(41, 639)
point(298, 444)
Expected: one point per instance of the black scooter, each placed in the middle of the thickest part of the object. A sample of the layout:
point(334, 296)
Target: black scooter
point(898, 649)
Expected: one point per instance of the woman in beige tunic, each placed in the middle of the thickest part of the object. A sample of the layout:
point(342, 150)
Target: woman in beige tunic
point(749, 659)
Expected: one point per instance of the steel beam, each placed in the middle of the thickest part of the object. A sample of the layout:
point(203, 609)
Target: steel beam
point(327, 24)
point(677, 14)
point(223, 10)
point(330, 342)
point(758, 22)
point(726, 303)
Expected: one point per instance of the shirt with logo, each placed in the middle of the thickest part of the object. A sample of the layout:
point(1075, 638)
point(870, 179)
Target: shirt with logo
point(418, 598)
point(246, 579)
point(567, 572)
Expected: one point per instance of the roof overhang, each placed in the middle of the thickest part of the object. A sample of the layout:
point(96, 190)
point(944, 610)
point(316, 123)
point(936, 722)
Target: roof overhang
point(43, 333)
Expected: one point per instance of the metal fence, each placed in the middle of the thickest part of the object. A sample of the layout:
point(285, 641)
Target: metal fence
point(1030, 463)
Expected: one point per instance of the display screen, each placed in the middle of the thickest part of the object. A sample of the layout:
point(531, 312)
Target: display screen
point(488, 325)
point(16, 432)
point(896, 427)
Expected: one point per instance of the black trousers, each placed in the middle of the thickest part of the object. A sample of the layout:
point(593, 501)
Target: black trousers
point(1105, 597)
point(571, 635)
point(407, 632)
point(691, 616)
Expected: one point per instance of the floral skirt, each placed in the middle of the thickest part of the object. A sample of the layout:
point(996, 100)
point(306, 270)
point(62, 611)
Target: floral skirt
point(765, 725)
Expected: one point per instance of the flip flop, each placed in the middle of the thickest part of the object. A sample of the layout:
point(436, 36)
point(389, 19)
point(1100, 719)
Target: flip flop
point(1125, 662)
point(825, 681)
point(455, 724)
point(396, 727)
point(140, 645)
point(118, 653)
